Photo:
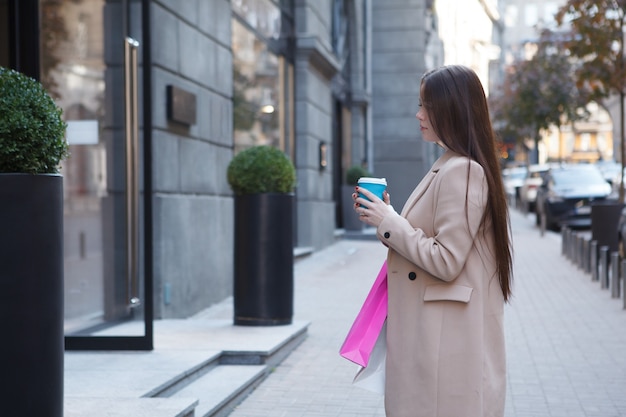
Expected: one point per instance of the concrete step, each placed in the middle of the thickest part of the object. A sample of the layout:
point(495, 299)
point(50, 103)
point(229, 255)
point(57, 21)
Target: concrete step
point(200, 367)
point(220, 390)
point(124, 407)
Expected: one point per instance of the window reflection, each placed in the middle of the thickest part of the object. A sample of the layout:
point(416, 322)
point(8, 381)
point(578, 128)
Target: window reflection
point(262, 15)
point(73, 71)
point(256, 95)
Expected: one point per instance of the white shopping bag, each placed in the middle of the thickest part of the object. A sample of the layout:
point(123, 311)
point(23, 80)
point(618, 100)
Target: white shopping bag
point(372, 377)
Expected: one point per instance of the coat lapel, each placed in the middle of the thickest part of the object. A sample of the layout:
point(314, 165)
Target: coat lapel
point(425, 183)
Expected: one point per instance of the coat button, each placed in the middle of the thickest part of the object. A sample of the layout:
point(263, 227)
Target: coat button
point(412, 276)
point(387, 234)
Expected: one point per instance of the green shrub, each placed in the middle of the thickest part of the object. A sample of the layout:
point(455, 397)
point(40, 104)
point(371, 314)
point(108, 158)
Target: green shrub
point(261, 169)
point(354, 173)
point(32, 130)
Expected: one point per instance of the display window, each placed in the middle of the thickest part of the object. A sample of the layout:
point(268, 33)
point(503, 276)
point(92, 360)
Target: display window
point(262, 75)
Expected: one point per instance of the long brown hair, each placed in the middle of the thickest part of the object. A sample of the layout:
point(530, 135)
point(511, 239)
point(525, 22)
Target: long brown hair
point(457, 109)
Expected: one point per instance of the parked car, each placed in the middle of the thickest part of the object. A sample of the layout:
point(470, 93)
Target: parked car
point(528, 192)
point(513, 179)
point(567, 193)
point(610, 171)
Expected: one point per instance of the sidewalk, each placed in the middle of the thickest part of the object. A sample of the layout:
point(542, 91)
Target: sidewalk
point(566, 338)
point(566, 346)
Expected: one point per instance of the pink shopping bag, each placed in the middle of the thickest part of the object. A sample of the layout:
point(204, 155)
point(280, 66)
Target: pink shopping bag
point(362, 336)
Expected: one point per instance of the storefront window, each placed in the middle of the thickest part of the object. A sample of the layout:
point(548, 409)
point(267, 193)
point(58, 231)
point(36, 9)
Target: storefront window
point(341, 48)
point(262, 77)
point(262, 15)
point(256, 91)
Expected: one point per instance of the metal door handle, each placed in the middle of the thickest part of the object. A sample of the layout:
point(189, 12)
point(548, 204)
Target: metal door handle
point(132, 171)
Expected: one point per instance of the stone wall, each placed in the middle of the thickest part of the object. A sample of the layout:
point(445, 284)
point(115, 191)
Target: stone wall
point(398, 61)
point(315, 67)
point(192, 202)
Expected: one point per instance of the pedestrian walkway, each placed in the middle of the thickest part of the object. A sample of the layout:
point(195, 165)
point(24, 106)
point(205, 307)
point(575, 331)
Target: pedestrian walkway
point(566, 338)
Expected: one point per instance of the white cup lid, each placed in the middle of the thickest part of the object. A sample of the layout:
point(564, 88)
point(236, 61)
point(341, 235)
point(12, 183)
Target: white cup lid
point(371, 180)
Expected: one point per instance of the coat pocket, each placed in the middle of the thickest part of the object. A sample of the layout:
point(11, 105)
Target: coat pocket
point(445, 292)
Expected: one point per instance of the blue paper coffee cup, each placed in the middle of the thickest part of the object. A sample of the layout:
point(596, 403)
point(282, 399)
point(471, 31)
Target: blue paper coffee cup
point(374, 185)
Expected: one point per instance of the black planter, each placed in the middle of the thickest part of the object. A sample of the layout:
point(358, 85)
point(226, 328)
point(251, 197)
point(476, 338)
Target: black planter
point(604, 221)
point(31, 294)
point(263, 288)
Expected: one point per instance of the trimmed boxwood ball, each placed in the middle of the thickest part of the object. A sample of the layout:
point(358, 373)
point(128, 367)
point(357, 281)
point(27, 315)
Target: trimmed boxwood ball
point(32, 130)
point(354, 173)
point(261, 169)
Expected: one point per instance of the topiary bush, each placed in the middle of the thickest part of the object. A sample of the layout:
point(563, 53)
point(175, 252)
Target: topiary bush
point(354, 173)
point(32, 130)
point(261, 169)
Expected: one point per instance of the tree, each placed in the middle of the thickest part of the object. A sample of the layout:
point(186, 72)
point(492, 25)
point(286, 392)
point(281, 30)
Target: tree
point(538, 93)
point(597, 40)
point(506, 114)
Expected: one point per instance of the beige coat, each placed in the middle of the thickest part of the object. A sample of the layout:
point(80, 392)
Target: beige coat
point(445, 337)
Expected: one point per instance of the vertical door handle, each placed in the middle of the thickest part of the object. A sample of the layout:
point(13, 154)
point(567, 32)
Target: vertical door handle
point(132, 171)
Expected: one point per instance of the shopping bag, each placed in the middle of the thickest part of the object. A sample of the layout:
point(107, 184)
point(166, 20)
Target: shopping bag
point(372, 377)
point(364, 332)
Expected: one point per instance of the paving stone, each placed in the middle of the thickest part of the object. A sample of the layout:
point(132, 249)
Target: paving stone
point(566, 338)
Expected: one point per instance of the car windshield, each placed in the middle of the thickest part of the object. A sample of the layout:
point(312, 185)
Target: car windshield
point(517, 175)
point(577, 176)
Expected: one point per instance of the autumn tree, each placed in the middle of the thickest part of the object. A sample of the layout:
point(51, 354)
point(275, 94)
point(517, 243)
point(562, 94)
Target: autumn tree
point(507, 116)
point(538, 93)
point(597, 41)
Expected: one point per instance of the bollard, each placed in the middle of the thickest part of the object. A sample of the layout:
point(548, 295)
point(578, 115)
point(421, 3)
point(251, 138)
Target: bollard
point(586, 267)
point(604, 267)
point(572, 246)
point(568, 235)
point(593, 260)
point(614, 275)
point(569, 243)
point(624, 284)
point(580, 258)
point(563, 240)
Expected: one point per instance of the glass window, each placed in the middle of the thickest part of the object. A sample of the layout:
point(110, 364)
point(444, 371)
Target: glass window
point(578, 175)
point(340, 28)
point(530, 15)
point(256, 95)
point(511, 15)
point(550, 10)
point(263, 74)
point(585, 141)
point(341, 48)
point(262, 15)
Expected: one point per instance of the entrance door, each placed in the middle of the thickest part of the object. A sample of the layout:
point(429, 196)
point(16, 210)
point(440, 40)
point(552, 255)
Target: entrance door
point(89, 62)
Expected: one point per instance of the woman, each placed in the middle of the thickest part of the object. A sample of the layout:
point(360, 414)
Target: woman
point(449, 263)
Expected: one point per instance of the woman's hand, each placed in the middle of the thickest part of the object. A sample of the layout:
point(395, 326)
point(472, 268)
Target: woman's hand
point(371, 211)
